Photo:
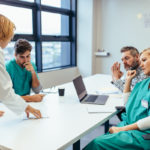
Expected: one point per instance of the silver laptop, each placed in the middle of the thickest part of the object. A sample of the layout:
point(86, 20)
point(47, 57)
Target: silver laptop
point(86, 98)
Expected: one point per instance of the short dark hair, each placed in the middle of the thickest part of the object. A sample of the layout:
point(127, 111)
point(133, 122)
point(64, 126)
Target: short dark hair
point(21, 46)
point(133, 50)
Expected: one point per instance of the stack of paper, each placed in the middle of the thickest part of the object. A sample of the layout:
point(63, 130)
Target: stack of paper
point(100, 109)
point(108, 91)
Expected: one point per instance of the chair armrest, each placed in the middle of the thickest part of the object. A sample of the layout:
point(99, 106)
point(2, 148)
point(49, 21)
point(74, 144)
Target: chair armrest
point(120, 109)
point(146, 137)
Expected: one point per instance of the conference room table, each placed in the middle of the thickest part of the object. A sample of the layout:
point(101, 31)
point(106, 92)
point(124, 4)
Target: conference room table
point(65, 120)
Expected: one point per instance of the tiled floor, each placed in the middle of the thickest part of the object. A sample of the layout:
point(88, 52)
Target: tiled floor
point(95, 133)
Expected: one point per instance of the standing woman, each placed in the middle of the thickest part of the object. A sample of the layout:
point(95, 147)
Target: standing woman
point(7, 96)
point(136, 123)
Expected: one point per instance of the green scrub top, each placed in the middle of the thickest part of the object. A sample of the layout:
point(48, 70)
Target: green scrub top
point(21, 78)
point(135, 110)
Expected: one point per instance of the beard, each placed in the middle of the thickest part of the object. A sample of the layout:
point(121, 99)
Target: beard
point(134, 66)
point(127, 67)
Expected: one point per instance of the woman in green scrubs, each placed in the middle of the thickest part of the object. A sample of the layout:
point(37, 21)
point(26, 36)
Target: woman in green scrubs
point(136, 122)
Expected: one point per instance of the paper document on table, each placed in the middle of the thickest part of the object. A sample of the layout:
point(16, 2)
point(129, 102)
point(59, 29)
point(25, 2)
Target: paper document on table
point(4, 148)
point(109, 91)
point(117, 95)
point(52, 90)
point(100, 110)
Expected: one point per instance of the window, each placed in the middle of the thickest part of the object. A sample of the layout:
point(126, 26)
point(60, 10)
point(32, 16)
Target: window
point(22, 17)
point(57, 24)
point(56, 54)
point(31, 1)
point(49, 25)
point(9, 52)
point(57, 3)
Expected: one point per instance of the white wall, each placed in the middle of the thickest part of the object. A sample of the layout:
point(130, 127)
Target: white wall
point(121, 23)
point(85, 36)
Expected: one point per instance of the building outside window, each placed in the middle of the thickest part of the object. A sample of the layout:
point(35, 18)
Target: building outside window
point(50, 27)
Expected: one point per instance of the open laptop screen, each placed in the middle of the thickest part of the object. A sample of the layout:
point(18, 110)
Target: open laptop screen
point(80, 88)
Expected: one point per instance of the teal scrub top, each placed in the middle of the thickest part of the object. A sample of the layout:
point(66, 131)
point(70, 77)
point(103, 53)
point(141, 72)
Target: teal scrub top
point(21, 78)
point(135, 111)
point(134, 107)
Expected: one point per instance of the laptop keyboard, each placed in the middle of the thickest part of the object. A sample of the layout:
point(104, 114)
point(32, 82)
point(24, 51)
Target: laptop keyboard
point(91, 98)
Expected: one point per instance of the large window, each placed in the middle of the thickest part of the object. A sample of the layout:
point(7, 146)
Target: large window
point(22, 17)
point(57, 3)
point(56, 54)
point(57, 24)
point(50, 27)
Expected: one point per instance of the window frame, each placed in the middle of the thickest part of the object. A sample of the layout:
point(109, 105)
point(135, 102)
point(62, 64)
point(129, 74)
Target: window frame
point(37, 7)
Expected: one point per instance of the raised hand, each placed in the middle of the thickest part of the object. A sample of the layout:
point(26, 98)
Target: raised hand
point(116, 73)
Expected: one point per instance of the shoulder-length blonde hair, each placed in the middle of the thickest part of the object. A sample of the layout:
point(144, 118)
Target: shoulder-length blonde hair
point(7, 28)
point(145, 50)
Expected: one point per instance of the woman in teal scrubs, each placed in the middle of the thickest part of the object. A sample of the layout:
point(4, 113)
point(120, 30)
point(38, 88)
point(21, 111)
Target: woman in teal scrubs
point(136, 122)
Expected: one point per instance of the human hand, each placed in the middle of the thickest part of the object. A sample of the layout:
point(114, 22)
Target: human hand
point(116, 73)
point(37, 97)
point(1, 113)
point(29, 67)
point(33, 111)
point(116, 129)
point(130, 74)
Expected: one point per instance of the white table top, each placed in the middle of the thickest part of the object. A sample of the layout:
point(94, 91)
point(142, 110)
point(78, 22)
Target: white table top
point(68, 119)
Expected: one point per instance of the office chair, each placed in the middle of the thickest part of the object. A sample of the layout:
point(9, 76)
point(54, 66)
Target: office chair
point(146, 136)
point(120, 109)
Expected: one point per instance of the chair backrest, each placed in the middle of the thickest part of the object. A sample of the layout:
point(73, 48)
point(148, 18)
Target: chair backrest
point(57, 77)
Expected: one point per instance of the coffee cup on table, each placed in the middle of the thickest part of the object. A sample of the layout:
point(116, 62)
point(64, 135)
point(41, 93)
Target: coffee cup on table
point(61, 91)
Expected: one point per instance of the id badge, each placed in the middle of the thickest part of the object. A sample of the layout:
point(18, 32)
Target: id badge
point(144, 103)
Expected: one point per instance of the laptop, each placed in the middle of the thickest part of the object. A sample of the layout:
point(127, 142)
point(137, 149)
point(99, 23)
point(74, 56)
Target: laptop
point(86, 98)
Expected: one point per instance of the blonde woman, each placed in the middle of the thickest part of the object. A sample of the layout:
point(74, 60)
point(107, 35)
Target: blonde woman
point(136, 123)
point(7, 96)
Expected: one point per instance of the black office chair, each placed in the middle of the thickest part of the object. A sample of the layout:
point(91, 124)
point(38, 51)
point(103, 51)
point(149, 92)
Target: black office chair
point(146, 136)
point(120, 109)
